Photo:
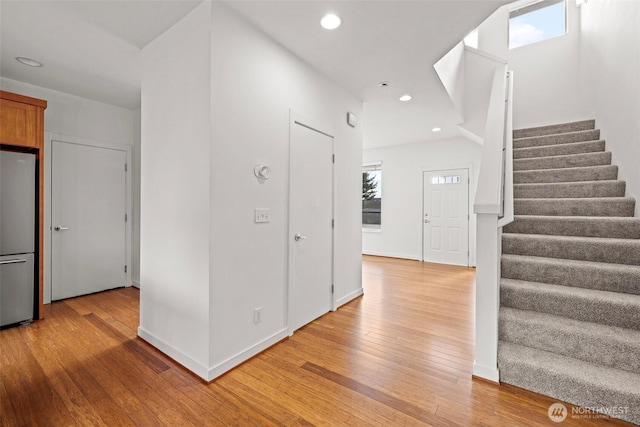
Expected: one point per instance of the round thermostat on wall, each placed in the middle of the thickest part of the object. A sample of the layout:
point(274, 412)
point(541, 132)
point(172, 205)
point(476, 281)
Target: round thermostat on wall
point(262, 171)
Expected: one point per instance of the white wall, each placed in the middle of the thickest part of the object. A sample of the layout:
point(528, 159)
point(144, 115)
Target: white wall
point(216, 99)
point(174, 189)
point(547, 83)
point(255, 83)
point(611, 65)
point(76, 120)
point(402, 192)
point(135, 175)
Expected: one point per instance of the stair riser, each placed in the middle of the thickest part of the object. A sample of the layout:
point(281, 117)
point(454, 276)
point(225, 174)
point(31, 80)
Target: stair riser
point(557, 162)
point(575, 207)
point(518, 372)
point(598, 173)
point(564, 138)
point(585, 309)
point(555, 129)
point(559, 150)
point(617, 251)
point(570, 190)
point(606, 277)
point(602, 349)
point(619, 228)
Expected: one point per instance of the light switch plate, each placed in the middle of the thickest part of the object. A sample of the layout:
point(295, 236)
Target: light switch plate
point(262, 215)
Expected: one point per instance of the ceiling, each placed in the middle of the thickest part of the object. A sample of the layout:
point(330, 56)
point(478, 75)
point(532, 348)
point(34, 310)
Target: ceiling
point(91, 48)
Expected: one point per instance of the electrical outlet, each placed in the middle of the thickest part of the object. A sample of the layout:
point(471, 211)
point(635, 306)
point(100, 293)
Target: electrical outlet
point(262, 214)
point(257, 315)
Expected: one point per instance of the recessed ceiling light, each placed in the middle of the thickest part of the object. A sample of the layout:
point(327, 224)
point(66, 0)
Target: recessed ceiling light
point(28, 61)
point(405, 98)
point(384, 84)
point(436, 129)
point(330, 22)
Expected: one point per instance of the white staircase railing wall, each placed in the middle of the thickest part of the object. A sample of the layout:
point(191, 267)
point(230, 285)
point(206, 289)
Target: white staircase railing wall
point(494, 209)
point(481, 89)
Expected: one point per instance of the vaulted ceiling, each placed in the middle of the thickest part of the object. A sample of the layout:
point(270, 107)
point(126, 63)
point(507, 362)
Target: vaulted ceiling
point(92, 48)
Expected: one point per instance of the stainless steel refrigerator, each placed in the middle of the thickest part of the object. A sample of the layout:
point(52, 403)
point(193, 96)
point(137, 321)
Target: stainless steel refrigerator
point(17, 237)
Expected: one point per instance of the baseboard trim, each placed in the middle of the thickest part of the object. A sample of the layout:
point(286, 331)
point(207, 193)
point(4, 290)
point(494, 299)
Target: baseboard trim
point(391, 255)
point(349, 297)
point(135, 283)
point(245, 355)
point(490, 374)
point(484, 380)
point(193, 365)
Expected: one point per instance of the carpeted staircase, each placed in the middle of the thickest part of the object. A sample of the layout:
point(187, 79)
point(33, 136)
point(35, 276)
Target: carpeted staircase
point(569, 323)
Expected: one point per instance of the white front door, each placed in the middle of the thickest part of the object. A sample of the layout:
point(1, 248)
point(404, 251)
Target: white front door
point(446, 217)
point(311, 230)
point(88, 234)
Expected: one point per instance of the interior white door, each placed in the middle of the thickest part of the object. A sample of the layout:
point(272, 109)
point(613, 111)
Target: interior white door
point(446, 217)
point(311, 230)
point(88, 233)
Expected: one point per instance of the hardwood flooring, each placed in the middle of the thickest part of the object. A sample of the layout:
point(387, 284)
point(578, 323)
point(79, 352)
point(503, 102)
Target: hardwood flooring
point(399, 356)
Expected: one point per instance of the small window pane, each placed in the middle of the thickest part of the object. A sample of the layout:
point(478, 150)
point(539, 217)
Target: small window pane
point(372, 199)
point(450, 179)
point(540, 21)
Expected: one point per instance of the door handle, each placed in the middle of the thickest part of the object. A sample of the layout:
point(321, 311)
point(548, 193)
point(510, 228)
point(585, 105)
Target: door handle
point(426, 221)
point(299, 237)
point(60, 228)
point(13, 261)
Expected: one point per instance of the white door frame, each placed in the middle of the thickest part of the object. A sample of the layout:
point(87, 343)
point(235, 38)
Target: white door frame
point(297, 119)
point(470, 239)
point(48, 140)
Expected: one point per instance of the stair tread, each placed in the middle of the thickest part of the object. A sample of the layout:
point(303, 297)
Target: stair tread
point(579, 326)
point(599, 158)
point(607, 199)
point(576, 132)
point(578, 263)
point(568, 183)
point(571, 380)
point(555, 129)
point(617, 298)
point(630, 242)
point(583, 206)
point(576, 189)
point(579, 147)
point(590, 305)
point(574, 248)
point(610, 277)
point(595, 226)
point(573, 174)
point(592, 342)
point(585, 372)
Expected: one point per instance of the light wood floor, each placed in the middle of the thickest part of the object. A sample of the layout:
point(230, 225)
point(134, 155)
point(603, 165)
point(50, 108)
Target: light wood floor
point(400, 355)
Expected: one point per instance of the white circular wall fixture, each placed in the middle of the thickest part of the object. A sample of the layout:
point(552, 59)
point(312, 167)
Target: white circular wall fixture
point(436, 129)
point(28, 61)
point(330, 22)
point(262, 171)
point(405, 98)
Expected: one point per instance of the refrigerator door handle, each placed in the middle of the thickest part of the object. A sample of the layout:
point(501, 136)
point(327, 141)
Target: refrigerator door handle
point(13, 261)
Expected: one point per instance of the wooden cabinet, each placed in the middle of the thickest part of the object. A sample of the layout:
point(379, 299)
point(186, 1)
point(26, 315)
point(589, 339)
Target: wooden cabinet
point(22, 129)
point(21, 120)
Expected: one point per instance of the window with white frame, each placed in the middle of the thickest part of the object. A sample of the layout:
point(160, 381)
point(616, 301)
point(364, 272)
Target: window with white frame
point(538, 21)
point(372, 196)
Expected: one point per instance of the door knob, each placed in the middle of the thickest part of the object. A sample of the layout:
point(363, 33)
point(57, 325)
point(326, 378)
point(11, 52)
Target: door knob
point(60, 228)
point(299, 237)
point(426, 221)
